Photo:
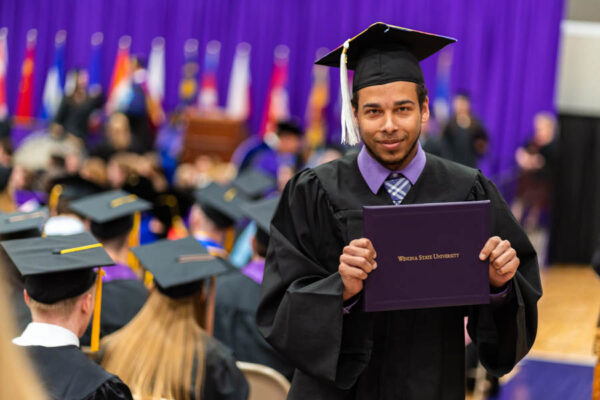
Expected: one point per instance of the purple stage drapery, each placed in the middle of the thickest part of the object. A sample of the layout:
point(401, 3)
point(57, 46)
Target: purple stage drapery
point(505, 56)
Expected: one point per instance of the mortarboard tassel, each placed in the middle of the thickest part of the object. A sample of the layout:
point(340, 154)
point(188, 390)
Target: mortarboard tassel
point(350, 133)
point(95, 339)
point(134, 241)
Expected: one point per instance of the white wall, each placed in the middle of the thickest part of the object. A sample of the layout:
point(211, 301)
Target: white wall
point(579, 68)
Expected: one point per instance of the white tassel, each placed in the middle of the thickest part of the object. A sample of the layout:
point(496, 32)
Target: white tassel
point(350, 134)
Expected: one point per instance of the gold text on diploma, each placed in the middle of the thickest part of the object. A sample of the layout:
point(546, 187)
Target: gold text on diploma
point(427, 257)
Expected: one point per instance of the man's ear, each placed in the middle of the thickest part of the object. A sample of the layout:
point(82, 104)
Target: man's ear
point(425, 110)
point(26, 297)
point(87, 303)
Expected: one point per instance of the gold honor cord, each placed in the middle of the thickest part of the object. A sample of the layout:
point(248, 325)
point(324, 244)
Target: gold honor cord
point(119, 201)
point(24, 217)
point(186, 258)
point(95, 339)
point(80, 248)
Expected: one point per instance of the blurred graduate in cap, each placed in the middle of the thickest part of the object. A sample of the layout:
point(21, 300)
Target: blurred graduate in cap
point(110, 216)
point(310, 308)
point(213, 217)
point(281, 150)
point(63, 291)
point(166, 351)
point(18, 225)
point(238, 294)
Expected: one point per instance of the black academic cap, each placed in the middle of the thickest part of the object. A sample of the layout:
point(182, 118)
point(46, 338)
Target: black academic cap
point(111, 213)
point(385, 53)
point(58, 267)
point(180, 266)
point(73, 187)
point(261, 212)
point(22, 224)
point(221, 205)
point(253, 183)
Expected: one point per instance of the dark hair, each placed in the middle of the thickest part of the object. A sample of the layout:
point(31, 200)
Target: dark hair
point(421, 96)
point(289, 127)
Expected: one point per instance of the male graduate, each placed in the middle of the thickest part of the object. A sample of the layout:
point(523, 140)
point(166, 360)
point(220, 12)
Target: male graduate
point(238, 294)
point(317, 260)
point(214, 215)
point(60, 290)
point(111, 218)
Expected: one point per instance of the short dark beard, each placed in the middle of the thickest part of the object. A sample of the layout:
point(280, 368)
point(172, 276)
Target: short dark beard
point(394, 166)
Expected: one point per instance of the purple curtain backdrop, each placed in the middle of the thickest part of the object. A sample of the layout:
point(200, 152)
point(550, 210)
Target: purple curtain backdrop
point(505, 57)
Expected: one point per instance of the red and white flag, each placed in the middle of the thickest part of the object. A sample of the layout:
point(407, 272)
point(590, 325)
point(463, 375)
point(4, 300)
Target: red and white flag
point(277, 106)
point(3, 68)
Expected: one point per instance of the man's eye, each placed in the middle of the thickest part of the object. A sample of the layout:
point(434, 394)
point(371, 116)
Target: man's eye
point(403, 109)
point(372, 111)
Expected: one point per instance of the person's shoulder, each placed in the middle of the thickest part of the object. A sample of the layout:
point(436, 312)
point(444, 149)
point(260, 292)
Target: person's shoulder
point(325, 172)
point(236, 290)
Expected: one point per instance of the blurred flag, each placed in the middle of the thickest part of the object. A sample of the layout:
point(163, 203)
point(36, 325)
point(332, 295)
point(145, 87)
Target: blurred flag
point(95, 61)
point(209, 96)
point(120, 91)
point(3, 68)
point(276, 105)
point(318, 99)
point(24, 111)
point(53, 88)
point(156, 81)
point(188, 86)
point(441, 104)
point(238, 97)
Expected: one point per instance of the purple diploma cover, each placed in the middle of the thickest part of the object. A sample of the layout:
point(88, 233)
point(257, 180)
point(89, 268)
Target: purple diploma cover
point(427, 255)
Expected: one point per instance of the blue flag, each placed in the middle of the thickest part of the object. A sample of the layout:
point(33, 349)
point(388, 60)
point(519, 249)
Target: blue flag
point(53, 88)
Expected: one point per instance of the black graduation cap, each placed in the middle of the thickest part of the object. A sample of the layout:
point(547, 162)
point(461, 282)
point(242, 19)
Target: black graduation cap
point(380, 54)
point(111, 213)
point(221, 205)
point(57, 267)
point(262, 212)
point(180, 266)
point(386, 53)
point(253, 183)
point(67, 188)
point(20, 225)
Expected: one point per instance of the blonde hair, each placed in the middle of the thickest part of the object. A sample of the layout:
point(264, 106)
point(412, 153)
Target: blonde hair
point(160, 353)
point(17, 377)
point(62, 308)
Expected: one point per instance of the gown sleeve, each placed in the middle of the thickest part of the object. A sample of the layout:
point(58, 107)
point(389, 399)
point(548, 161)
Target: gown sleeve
point(504, 332)
point(112, 389)
point(223, 380)
point(301, 308)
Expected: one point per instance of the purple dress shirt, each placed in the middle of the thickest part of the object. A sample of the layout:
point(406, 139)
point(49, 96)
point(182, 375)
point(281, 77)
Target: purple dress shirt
point(375, 175)
point(118, 272)
point(255, 270)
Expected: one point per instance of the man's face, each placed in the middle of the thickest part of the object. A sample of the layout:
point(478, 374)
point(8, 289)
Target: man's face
point(289, 143)
point(389, 119)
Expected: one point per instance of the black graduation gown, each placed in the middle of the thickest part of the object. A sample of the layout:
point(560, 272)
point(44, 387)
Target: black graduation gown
point(122, 299)
point(235, 323)
point(409, 354)
point(68, 374)
point(222, 378)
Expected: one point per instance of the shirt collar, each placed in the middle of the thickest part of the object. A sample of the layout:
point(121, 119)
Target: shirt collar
point(46, 335)
point(375, 174)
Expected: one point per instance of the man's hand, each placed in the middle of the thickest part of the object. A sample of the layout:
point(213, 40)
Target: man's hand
point(503, 260)
point(356, 262)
